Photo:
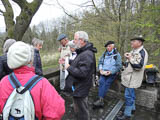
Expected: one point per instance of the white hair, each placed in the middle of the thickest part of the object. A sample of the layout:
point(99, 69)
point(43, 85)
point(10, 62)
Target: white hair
point(82, 35)
point(37, 41)
point(71, 44)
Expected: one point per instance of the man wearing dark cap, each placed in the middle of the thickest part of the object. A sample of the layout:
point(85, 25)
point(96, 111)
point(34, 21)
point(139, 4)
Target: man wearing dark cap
point(110, 64)
point(132, 75)
point(65, 52)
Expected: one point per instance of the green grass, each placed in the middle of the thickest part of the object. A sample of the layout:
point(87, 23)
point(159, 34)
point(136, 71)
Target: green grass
point(49, 60)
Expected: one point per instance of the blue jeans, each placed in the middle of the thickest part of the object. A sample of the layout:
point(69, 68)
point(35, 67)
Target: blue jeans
point(130, 101)
point(104, 84)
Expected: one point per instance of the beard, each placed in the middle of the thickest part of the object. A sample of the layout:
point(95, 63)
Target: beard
point(78, 45)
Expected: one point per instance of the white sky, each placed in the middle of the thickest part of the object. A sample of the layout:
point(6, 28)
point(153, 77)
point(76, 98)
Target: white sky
point(46, 12)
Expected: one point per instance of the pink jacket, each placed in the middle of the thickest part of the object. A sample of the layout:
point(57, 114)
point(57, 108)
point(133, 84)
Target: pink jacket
point(47, 101)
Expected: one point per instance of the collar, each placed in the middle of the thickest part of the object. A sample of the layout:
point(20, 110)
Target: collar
point(138, 49)
point(24, 69)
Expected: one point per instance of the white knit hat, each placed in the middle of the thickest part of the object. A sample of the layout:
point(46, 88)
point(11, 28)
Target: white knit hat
point(19, 54)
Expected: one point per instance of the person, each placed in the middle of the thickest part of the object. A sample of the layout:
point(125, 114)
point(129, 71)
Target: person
point(65, 52)
point(48, 104)
point(132, 75)
point(81, 71)
point(69, 82)
point(4, 69)
point(110, 64)
point(37, 43)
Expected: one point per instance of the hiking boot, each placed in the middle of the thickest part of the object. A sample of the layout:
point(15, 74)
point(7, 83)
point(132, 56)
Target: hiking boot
point(99, 103)
point(124, 117)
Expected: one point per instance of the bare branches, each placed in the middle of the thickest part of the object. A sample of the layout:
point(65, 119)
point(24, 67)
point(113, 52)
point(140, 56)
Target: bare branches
point(64, 10)
point(95, 6)
point(1, 11)
point(84, 5)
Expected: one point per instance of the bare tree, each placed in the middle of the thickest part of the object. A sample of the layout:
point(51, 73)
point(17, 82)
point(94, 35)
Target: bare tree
point(16, 29)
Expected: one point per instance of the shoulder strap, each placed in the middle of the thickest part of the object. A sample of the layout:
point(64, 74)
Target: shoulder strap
point(31, 83)
point(14, 81)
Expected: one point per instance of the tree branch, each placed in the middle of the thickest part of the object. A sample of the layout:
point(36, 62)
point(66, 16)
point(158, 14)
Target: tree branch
point(21, 3)
point(64, 10)
point(1, 11)
point(95, 6)
point(8, 17)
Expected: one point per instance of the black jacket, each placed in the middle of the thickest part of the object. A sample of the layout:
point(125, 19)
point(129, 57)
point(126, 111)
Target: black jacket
point(4, 69)
point(82, 69)
point(37, 63)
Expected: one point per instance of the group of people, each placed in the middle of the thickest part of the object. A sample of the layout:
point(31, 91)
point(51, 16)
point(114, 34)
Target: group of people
point(21, 70)
point(77, 67)
point(24, 92)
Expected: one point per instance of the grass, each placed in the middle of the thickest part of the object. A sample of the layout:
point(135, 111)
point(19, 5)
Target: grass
point(49, 60)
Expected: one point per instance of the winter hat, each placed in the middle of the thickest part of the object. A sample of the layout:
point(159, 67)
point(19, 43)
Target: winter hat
point(19, 54)
point(108, 43)
point(7, 44)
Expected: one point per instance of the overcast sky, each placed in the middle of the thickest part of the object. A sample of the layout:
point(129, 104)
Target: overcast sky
point(47, 11)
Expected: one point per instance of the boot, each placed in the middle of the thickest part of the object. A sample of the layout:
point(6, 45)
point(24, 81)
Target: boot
point(124, 117)
point(99, 102)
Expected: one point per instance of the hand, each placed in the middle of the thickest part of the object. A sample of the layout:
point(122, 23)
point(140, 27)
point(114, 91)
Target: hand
point(59, 49)
point(127, 55)
point(108, 73)
point(61, 61)
point(101, 72)
point(67, 66)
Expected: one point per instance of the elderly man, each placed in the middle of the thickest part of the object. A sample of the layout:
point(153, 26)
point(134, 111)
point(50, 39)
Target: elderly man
point(65, 52)
point(132, 75)
point(110, 64)
point(37, 43)
point(81, 71)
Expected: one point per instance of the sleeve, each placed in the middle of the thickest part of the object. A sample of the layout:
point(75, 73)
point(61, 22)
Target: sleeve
point(141, 63)
point(1, 69)
point(100, 64)
point(118, 64)
point(37, 64)
point(83, 67)
point(53, 106)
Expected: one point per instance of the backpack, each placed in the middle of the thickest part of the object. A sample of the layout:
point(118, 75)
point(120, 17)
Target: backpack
point(19, 105)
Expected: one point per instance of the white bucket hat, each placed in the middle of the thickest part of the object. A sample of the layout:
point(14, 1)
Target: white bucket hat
point(19, 54)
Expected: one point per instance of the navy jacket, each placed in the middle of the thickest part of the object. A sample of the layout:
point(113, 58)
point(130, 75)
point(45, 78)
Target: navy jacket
point(4, 69)
point(37, 63)
point(82, 69)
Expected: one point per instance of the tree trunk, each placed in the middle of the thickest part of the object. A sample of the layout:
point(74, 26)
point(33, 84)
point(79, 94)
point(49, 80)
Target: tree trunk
point(28, 10)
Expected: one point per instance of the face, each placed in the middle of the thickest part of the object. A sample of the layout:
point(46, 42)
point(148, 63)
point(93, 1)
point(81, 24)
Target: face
point(63, 42)
point(39, 46)
point(110, 48)
point(136, 44)
point(76, 41)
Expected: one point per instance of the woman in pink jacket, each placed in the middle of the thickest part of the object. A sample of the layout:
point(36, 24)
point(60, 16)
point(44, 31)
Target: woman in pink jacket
point(48, 104)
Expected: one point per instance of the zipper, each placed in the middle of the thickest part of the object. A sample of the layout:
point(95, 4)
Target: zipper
point(130, 79)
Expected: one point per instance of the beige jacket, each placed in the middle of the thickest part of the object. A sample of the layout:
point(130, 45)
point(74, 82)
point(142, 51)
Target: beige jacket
point(133, 77)
point(65, 52)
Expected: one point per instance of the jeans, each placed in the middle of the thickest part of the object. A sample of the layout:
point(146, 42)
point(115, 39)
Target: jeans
point(130, 101)
point(104, 84)
point(81, 109)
